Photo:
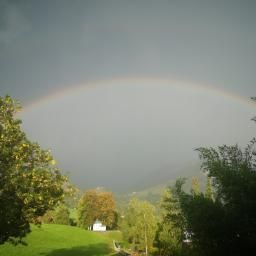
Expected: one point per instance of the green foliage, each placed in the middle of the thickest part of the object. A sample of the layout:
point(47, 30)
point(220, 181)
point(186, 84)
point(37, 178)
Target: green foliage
point(206, 222)
point(173, 212)
point(30, 182)
point(13, 222)
point(167, 241)
point(73, 216)
point(220, 222)
point(208, 189)
point(72, 198)
point(170, 233)
point(234, 178)
point(61, 215)
point(195, 189)
point(223, 224)
point(48, 217)
point(97, 205)
point(139, 224)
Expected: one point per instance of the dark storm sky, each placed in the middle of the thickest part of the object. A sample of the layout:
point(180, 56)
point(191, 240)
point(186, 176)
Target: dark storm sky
point(45, 45)
point(129, 132)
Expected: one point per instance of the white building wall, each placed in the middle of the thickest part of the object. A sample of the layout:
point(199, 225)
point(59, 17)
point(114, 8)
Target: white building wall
point(98, 227)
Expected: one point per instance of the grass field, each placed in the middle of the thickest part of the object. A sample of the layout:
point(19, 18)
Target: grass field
point(61, 240)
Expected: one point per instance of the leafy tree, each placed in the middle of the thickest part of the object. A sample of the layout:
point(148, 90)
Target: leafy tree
point(225, 224)
point(48, 217)
point(208, 189)
point(30, 183)
point(170, 233)
point(173, 212)
point(234, 178)
point(97, 205)
point(206, 221)
point(139, 225)
point(195, 186)
point(72, 198)
point(222, 221)
point(61, 215)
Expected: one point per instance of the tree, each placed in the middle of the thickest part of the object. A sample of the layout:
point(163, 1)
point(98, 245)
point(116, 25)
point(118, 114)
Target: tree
point(139, 225)
point(222, 221)
point(208, 189)
point(170, 233)
point(72, 198)
point(30, 182)
point(205, 224)
point(195, 188)
point(233, 171)
point(225, 224)
point(61, 215)
point(48, 217)
point(97, 205)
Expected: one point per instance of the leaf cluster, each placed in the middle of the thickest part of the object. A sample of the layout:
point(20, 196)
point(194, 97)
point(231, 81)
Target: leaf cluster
point(30, 182)
point(223, 224)
point(139, 224)
point(97, 205)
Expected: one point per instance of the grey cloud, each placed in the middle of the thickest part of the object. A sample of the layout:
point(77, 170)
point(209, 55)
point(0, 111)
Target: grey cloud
point(13, 22)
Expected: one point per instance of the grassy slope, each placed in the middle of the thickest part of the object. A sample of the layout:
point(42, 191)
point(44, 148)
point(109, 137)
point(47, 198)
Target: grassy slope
point(61, 240)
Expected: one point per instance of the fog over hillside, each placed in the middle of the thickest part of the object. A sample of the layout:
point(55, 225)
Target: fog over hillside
point(132, 129)
point(128, 135)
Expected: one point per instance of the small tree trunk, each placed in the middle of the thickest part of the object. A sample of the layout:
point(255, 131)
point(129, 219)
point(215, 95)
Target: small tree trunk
point(146, 239)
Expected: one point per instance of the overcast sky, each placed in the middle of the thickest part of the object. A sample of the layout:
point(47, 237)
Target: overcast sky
point(46, 46)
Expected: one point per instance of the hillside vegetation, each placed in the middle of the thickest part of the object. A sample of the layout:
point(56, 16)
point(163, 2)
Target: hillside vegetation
point(154, 193)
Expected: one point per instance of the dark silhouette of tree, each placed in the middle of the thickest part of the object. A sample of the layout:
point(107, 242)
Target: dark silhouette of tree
point(226, 223)
point(223, 220)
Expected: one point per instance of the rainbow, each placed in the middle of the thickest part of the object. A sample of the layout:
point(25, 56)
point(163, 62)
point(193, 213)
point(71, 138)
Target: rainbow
point(155, 80)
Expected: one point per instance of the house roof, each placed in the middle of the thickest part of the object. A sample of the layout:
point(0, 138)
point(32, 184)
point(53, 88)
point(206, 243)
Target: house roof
point(97, 222)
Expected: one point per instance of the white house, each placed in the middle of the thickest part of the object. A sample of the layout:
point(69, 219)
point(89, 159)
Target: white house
point(188, 236)
point(97, 226)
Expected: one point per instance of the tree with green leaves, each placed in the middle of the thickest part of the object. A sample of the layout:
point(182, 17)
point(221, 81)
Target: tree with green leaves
point(208, 188)
point(95, 205)
point(222, 221)
point(139, 225)
point(30, 182)
point(61, 215)
point(233, 171)
point(170, 232)
point(226, 223)
point(195, 187)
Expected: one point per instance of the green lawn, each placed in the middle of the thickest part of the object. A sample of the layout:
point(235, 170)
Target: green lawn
point(61, 240)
